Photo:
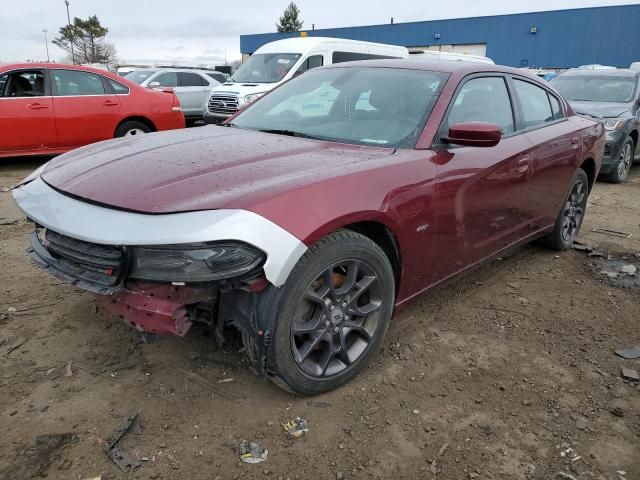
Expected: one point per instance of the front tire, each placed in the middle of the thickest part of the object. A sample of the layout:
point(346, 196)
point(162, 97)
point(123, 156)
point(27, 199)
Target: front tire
point(625, 160)
point(332, 313)
point(131, 128)
point(571, 215)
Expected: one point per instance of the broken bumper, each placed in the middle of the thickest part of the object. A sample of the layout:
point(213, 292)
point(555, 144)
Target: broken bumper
point(160, 309)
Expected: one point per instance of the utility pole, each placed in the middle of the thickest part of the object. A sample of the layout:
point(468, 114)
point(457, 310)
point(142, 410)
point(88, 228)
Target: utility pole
point(46, 42)
point(73, 57)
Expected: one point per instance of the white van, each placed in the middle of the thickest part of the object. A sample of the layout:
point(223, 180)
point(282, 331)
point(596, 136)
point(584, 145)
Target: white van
point(277, 62)
point(461, 57)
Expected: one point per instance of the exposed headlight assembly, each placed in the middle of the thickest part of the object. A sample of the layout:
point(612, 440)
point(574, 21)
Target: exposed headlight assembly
point(195, 263)
point(613, 123)
point(252, 97)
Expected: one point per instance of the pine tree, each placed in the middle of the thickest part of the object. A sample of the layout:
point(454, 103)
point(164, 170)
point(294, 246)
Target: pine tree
point(290, 20)
point(88, 40)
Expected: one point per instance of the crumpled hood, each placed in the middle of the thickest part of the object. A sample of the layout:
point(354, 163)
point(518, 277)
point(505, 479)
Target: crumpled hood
point(600, 109)
point(201, 168)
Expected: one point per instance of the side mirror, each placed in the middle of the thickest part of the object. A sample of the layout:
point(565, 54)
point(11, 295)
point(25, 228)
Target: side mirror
point(474, 134)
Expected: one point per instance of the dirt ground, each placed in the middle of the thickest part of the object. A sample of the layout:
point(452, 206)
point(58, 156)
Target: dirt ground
point(508, 373)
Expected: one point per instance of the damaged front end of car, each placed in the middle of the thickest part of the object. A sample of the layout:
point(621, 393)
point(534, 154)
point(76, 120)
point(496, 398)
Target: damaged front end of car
point(164, 290)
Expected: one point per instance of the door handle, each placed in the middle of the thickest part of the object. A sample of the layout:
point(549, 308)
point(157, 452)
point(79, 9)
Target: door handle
point(523, 164)
point(37, 106)
point(109, 103)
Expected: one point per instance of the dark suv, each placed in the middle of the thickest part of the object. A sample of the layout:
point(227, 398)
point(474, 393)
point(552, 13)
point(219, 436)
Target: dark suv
point(614, 96)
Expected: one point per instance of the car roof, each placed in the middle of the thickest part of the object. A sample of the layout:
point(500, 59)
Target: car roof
point(459, 67)
point(36, 65)
point(619, 72)
point(304, 44)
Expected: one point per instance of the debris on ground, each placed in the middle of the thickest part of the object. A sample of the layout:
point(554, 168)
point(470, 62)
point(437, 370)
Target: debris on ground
point(121, 458)
point(443, 449)
point(617, 411)
point(630, 269)
point(251, 452)
point(581, 247)
point(296, 427)
point(612, 233)
point(565, 476)
point(16, 344)
point(630, 374)
point(315, 403)
point(203, 382)
point(629, 353)
point(68, 371)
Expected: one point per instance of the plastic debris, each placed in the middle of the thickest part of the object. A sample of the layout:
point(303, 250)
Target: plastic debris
point(121, 458)
point(296, 427)
point(630, 374)
point(629, 353)
point(630, 269)
point(251, 452)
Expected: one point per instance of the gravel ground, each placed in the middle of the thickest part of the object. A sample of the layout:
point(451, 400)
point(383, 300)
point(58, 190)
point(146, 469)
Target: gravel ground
point(507, 373)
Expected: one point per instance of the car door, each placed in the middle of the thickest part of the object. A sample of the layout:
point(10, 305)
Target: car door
point(26, 112)
point(192, 90)
point(482, 191)
point(85, 109)
point(556, 148)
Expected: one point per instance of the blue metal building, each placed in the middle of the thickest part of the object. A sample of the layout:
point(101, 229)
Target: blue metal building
point(554, 39)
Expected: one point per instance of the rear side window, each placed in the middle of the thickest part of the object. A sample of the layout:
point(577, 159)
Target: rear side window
point(166, 79)
point(117, 87)
point(340, 57)
point(75, 82)
point(484, 99)
point(556, 110)
point(534, 102)
point(188, 79)
point(22, 84)
point(218, 77)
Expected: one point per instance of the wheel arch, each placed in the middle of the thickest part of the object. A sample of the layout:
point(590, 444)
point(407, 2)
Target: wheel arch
point(589, 166)
point(634, 136)
point(136, 118)
point(385, 238)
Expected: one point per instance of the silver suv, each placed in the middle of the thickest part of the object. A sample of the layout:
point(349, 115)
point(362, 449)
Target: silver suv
point(191, 86)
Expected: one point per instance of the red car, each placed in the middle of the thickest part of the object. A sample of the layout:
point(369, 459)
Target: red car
point(308, 217)
point(50, 108)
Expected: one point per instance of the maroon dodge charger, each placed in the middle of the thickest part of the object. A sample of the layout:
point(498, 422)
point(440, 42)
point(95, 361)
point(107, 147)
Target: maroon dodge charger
point(307, 217)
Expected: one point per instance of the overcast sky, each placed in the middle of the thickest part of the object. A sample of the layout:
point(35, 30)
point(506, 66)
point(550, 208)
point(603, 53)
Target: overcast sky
point(201, 30)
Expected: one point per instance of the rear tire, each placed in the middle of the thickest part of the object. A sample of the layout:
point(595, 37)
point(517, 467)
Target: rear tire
point(332, 313)
point(131, 128)
point(623, 165)
point(571, 214)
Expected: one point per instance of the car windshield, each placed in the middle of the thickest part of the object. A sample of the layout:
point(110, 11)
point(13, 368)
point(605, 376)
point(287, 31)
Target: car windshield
point(591, 88)
point(139, 76)
point(265, 68)
point(384, 107)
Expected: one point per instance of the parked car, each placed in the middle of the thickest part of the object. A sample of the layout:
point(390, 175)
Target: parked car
point(305, 230)
point(614, 96)
point(191, 86)
point(276, 62)
point(50, 108)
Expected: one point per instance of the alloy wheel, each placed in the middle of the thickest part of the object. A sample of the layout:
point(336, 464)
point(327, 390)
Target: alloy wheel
point(624, 163)
point(574, 211)
point(337, 318)
point(134, 131)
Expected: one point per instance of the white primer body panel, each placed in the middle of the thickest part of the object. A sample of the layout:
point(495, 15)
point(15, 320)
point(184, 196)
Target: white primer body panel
point(97, 224)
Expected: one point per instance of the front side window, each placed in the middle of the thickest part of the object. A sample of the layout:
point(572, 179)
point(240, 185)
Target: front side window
point(22, 84)
point(76, 83)
point(312, 62)
point(265, 68)
point(534, 102)
point(367, 106)
point(592, 88)
point(166, 79)
point(484, 99)
point(189, 79)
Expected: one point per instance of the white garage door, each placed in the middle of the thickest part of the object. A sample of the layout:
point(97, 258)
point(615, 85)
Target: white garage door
point(471, 49)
